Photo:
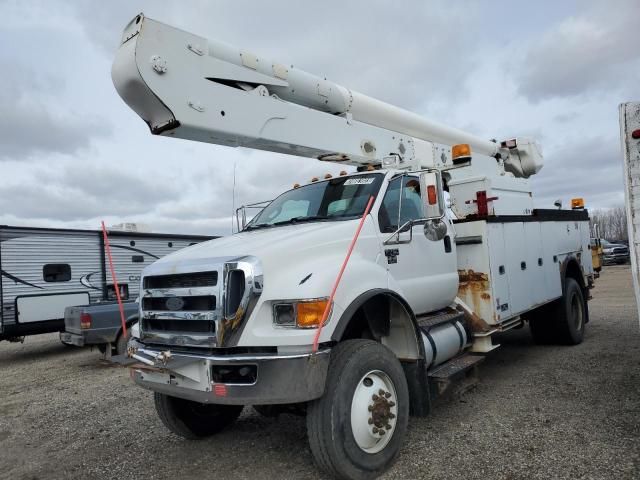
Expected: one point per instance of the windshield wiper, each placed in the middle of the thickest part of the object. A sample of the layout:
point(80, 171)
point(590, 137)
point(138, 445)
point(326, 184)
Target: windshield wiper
point(257, 225)
point(310, 218)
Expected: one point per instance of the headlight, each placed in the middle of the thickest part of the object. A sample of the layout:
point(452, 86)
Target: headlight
point(301, 313)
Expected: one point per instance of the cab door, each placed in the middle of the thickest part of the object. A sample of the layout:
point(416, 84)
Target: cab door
point(423, 271)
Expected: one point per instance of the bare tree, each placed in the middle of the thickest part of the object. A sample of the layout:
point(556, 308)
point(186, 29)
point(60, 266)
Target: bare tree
point(611, 223)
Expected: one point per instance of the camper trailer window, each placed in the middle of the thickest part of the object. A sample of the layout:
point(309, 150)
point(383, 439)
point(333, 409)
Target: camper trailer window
point(56, 272)
point(124, 291)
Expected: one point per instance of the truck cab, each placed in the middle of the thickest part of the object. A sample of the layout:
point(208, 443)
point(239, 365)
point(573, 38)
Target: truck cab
point(265, 288)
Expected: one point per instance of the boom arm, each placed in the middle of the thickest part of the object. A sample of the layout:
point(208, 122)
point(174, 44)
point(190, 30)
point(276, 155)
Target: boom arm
point(189, 87)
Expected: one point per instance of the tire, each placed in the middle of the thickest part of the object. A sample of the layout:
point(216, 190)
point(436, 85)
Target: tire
point(564, 320)
point(120, 347)
point(266, 410)
point(193, 420)
point(340, 435)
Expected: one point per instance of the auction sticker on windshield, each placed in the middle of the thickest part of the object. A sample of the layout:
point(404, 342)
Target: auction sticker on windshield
point(359, 181)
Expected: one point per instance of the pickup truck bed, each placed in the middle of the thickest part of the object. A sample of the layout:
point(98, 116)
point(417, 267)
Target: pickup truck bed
point(97, 324)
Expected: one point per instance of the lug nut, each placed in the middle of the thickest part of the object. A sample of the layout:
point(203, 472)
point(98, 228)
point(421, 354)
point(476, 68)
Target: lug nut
point(392, 416)
point(381, 392)
point(381, 432)
point(374, 397)
point(392, 404)
point(387, 394)
point(375, 430)
point(370, 408)
point(387, 426)
point(370, 421)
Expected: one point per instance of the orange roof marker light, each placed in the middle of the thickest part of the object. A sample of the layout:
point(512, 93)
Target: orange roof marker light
point(314, 179)
point(296, 185)
point(461, 153)
point(577, 203)
point(328, 176)
point(343, 173)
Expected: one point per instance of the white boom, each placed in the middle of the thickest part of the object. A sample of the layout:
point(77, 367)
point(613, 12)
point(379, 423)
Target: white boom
point(187, 86)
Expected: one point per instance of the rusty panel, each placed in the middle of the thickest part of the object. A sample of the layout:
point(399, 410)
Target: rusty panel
point(475, 290)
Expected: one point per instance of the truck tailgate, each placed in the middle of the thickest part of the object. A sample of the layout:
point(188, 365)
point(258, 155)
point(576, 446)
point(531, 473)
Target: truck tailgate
point(72, 319)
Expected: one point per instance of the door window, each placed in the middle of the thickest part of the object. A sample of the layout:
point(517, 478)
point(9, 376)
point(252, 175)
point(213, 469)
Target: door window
point(401, 203)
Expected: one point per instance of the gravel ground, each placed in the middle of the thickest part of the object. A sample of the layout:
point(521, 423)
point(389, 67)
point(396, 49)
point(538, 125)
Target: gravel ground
point(537, 412)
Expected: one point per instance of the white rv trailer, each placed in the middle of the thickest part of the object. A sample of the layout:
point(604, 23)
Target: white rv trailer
point(45, 270)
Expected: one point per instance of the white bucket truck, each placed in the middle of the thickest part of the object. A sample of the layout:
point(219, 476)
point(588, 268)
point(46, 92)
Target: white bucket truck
point(232, 322)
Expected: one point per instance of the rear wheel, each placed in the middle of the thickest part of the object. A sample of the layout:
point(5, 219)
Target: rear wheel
point(563, 321)
point(357, 427)
point(121, 343)
point(193, 420)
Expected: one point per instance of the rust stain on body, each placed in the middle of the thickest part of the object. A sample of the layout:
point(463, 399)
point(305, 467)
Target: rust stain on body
point(475, 290)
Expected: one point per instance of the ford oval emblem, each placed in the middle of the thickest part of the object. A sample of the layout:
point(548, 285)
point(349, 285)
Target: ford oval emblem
point(174, 303)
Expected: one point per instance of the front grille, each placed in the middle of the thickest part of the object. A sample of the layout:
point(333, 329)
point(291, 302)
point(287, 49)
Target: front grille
point(189, 304)
point(180, 309)
point(182, 280)
point(621, 250)
point(179, 326)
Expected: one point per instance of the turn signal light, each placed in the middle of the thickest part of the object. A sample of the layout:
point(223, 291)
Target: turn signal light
point(431, 194)
point(309, 314)
point(577, 203)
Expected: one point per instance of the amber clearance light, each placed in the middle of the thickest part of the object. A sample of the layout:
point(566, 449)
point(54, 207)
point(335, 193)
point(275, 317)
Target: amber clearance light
point(309, 314)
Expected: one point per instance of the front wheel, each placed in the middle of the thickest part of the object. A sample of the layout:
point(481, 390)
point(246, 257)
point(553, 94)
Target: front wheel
point(357, 427)
point(193, 420)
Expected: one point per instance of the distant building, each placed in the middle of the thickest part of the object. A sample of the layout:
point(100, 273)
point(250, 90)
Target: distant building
point(131, 227)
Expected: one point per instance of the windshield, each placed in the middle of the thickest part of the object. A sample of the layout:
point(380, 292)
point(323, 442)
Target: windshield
point(340, 198)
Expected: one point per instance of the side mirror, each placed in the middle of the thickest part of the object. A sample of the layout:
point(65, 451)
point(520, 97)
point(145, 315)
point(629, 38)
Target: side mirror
point(434, 205)
point(432, 196)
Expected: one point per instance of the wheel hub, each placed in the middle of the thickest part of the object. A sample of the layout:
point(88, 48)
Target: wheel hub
point(374, 411)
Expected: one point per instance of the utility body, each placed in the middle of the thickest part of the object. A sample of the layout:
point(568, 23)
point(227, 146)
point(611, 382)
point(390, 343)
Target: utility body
point(231, 322)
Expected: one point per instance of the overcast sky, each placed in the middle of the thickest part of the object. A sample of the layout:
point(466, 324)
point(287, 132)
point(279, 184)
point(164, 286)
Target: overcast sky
point(72, 153)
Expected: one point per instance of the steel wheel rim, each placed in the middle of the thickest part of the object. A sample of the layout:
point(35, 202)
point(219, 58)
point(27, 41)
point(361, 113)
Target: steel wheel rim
point(374, 411)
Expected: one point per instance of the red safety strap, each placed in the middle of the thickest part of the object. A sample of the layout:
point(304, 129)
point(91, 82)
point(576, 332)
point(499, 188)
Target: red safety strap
point(115, 280)
point(337, 282)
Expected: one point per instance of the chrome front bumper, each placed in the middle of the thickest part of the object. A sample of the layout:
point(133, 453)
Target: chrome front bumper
point(279, 378)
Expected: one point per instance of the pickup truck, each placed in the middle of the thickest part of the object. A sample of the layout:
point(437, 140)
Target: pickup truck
point(98, 324)
point(615, 253)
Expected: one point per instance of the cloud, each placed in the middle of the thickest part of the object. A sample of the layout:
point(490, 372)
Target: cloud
point(90, 157)
point(585, 53)
point(590, 168)
point(35, 117)
point(73, 192)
